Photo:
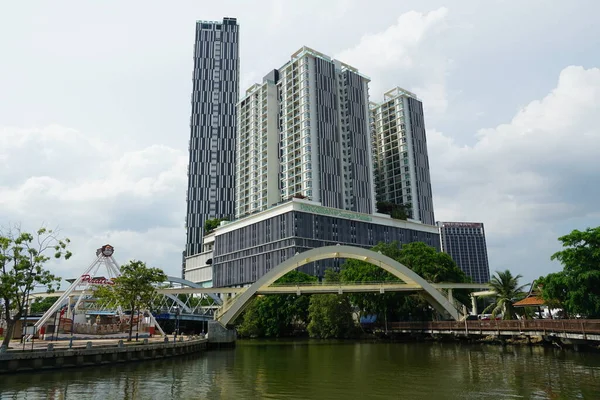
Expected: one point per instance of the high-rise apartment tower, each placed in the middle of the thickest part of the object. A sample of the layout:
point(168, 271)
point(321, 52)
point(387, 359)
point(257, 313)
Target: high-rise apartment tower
point(211, 171)
point(305, 132)
point(400, 154)
point(465, 243)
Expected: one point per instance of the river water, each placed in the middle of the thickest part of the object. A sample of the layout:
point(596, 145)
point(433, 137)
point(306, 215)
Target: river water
point(329, 370)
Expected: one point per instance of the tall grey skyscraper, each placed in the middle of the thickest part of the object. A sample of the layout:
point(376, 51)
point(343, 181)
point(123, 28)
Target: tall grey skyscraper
point(465, 243)
point(211, 171)
point(400, 154)
point(305, 131)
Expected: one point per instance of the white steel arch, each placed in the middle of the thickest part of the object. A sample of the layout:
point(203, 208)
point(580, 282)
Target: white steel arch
point(185, 282)
point(431, 294)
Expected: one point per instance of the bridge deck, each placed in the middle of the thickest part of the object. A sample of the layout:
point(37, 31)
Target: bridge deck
point(306, 288)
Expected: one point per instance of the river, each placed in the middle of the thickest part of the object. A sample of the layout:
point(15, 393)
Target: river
point(329, 370)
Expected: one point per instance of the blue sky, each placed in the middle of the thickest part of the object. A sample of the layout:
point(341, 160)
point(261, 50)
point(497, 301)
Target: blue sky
point(95, 104)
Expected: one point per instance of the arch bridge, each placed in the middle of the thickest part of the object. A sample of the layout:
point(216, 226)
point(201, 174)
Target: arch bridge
point(176, 298)
point(446, 306)
point(177, 295)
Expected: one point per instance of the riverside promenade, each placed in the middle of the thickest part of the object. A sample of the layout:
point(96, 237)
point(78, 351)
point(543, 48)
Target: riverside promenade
point(569, 332)
point(43, 355)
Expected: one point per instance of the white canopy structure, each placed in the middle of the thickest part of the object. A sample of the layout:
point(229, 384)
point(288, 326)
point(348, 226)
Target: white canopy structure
point(101, 271)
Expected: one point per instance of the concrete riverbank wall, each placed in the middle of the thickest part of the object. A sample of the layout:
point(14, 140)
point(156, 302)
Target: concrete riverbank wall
point(51, 358)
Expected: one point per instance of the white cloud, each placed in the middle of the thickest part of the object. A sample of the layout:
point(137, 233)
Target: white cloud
point(524, 177)
point(95, 193)
point(407, 54)
point(530, 180)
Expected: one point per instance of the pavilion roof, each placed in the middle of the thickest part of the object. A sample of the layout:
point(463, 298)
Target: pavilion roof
point(532, 299)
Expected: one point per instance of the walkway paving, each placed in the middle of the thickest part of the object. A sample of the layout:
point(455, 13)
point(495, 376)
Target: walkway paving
point(42, 345)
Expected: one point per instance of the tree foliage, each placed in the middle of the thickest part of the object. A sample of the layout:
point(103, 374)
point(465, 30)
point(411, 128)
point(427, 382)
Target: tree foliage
point(508, 291)
point(212, 224)
point(396, 211)
point(577, 287)
point(330, 314)
point(277, 315)
point(554, 290)
point(41, 305)
point(134, 289)
point(430, 264)
point(425, 260)
point(23, 256)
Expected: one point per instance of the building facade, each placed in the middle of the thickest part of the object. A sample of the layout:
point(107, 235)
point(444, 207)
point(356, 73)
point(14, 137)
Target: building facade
point(257, 167)
point(198, 267)
point(400, 156)
point(243, 250)
point(465, 243)
point(211, 170)
point(305, 132)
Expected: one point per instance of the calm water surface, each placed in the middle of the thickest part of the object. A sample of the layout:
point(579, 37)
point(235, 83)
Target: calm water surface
point(329, 370)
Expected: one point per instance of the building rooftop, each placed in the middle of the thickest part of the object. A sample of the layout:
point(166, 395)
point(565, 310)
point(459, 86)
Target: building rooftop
point(457, 224)
point(226, 21)
point(304, 50)
point(294, 204)
point(392, 94)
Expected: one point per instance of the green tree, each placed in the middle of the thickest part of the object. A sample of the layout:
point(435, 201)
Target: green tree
point(212, 224)
point(330, 314)
point(277, 315)
point(430, 264)
point(554, 289)
point(396, 211)
point(359, 271)
point(577, 287)
point(41, 305)
point(425, 260)
point(507, 292)
point(22, 259)
point(133, 290)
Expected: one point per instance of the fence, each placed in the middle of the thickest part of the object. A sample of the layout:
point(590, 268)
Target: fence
point(537, 325)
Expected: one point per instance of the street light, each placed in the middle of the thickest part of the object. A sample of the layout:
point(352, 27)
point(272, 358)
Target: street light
point(27, 290)
point(177, 313)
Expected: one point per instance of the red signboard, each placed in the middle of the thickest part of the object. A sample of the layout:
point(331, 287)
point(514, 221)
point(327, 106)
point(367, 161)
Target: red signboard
point(96, 281)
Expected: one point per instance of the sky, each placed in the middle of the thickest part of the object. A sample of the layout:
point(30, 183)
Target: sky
point(95, 108)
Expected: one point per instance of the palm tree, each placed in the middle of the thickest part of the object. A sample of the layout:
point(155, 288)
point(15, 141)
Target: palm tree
point(508, 292)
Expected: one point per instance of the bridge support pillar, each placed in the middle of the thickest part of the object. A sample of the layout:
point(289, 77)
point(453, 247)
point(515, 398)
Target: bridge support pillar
point(220, 336)
point(474, 305)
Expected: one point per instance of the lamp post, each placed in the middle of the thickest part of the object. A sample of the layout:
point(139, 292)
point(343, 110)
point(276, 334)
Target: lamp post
point(177, 313)
point(27, 290)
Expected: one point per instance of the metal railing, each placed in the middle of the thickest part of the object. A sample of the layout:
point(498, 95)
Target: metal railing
point(539, 325)
point(301, 284)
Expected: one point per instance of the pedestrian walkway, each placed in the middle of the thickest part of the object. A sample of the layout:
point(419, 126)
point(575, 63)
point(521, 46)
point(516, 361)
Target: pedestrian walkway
point(41, 345)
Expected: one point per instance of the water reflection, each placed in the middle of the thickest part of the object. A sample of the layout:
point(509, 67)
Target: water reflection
point(329, 370)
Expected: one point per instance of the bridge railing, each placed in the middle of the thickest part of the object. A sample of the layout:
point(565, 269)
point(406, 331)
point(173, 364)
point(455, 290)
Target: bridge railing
point(544, 325)
point(337, 283)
